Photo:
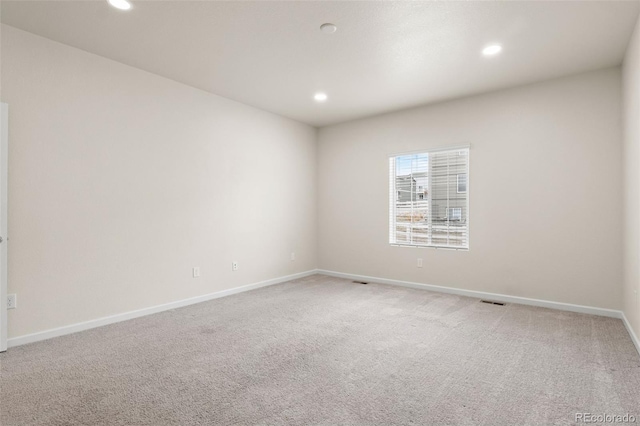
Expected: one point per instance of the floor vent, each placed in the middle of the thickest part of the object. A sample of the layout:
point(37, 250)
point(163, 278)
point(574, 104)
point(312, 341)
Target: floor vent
point(491, 302)
point(359, 282)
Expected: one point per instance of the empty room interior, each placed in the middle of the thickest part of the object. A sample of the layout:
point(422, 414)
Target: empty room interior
point(319, 212)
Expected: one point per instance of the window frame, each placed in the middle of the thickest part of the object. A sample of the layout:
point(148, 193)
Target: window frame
point(462, 150)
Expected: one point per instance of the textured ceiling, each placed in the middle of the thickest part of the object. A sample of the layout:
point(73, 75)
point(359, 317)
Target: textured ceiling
point(385, 55)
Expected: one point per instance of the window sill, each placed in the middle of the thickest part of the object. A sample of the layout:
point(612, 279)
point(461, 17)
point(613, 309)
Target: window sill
point(430, 247)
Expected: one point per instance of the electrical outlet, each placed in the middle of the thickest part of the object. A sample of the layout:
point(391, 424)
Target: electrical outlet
point(12, 301)
point(293, 256)
point(419, 264)
point(196, 272)
point(234, 266)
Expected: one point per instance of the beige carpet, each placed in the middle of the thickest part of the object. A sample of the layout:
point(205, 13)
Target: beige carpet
point(325, 351)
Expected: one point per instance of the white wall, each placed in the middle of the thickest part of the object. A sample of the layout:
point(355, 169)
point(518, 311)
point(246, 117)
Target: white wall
point(631, 98)
point(121, 181)
point(545, 200)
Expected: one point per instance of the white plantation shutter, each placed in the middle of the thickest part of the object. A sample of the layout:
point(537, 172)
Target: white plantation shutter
point(429, 199)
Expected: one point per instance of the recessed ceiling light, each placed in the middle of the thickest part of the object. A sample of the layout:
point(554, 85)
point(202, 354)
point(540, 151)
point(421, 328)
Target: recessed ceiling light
point(328, 28)
point(320, 97)
point(491, 50)
point(120, 4)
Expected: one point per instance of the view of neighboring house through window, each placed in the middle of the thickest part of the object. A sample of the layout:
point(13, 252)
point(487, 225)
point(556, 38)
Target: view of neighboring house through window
point(429, 199)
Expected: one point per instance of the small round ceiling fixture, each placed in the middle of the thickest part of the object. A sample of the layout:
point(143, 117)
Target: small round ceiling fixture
point(491, 50)
point(328, 28)
point(320, 97)
point(120, 4)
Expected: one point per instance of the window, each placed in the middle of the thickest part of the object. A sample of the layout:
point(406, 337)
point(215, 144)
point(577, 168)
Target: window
point(429, 199)
point(454, 213)
point(462, 183)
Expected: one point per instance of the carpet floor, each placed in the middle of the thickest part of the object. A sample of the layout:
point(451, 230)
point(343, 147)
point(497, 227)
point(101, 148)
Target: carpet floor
point(325, 351)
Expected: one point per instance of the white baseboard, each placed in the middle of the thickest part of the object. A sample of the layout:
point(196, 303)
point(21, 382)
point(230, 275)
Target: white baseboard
point(612, 313)
point(482, 295)
point(634, 338)
point(99, 322)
